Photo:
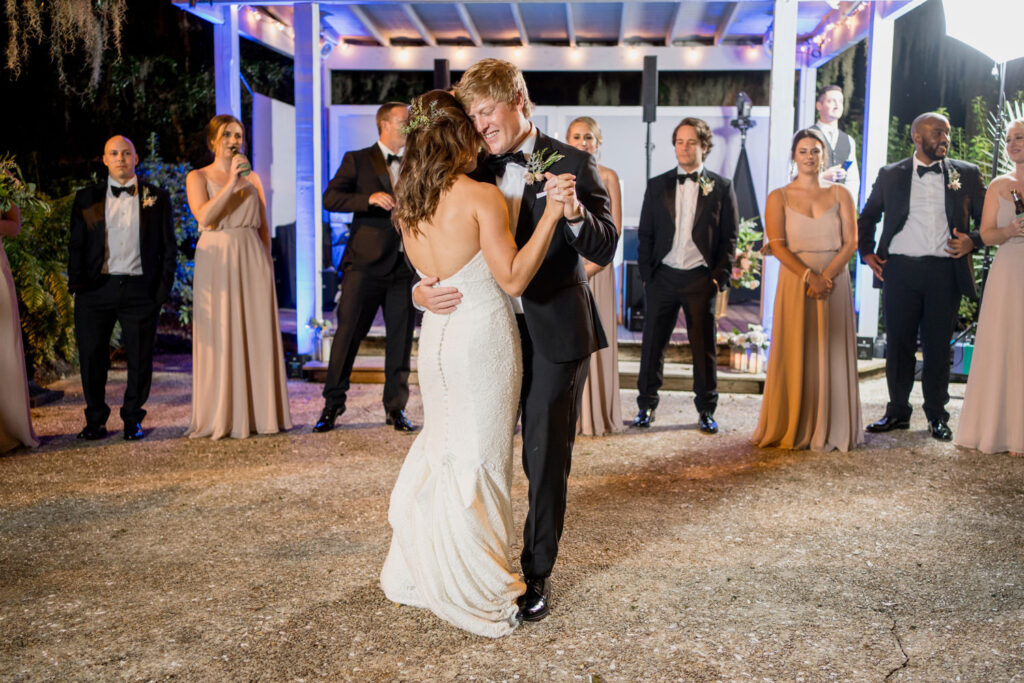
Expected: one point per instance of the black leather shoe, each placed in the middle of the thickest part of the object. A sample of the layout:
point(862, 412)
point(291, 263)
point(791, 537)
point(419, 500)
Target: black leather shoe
point(940, 430)
point(535, 603)
point(93, 432)
point(327, 417)
point(133, 431)
point(706, 423)
point(887, 424)
point(400, 422)
point(644, 418)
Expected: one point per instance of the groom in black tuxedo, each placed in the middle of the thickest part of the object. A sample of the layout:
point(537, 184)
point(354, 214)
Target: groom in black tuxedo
point(376, 274)
point(919, 262)
point(558, 320)
point(121, 262)
point(685, 249)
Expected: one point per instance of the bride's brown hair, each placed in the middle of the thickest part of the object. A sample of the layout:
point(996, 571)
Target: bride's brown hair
point(441, 143)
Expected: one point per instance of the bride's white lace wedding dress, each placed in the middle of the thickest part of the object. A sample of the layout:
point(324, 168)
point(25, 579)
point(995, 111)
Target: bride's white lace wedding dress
point(450, 509)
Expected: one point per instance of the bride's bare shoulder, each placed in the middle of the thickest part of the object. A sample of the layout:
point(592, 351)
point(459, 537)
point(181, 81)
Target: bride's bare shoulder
point(466, 189)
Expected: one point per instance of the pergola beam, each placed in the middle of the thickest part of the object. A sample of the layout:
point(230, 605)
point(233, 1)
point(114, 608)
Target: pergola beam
point(469, 24)
point(623, 22)
point(725, 23)
point(570, 28)
point(368, 24)
point(676, 30)
point(418, 24)
point(517, 16)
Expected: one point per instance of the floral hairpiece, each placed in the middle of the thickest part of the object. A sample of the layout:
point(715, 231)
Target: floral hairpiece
point(418, 118)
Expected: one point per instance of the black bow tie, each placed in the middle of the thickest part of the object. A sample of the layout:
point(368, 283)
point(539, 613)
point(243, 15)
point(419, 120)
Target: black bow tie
point(934, 168)
point(683, 177)
point(116, 190)
point(391, 158)
point(498, 162)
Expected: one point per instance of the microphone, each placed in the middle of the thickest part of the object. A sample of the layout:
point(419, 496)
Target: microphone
point(246, 168)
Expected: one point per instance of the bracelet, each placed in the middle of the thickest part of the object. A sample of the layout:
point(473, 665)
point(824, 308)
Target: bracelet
point(807, 274)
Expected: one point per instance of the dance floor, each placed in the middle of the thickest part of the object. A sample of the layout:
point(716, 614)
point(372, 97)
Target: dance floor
point(685, 557)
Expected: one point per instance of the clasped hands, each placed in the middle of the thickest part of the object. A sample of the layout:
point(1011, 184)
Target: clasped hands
point(562, 189)
point(818, 286)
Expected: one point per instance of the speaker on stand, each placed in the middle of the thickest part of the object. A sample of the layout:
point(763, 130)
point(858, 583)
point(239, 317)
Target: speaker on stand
point(649, 97)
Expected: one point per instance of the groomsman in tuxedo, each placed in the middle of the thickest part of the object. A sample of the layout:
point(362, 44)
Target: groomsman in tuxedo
point(921, 263)
point(841, 148)
point(121, 262)
point(558, 320)
point(685, 249)
point(375, 272)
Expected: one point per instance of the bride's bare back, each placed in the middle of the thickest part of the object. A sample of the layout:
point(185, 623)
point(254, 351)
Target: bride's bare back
point(473, 217)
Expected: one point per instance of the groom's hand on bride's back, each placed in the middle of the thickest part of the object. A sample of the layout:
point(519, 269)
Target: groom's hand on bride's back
point(438, 300)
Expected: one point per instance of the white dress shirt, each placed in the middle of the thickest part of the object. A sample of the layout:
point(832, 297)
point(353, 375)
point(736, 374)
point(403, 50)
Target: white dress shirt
point(123, 252)
point(684, 254)
point(393, 168)
point(512, 185)
point(927, 228)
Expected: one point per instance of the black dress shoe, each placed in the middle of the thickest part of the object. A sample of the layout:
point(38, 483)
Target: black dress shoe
point(644, 418)
point(133, 431)
point(706, 423)
point(887, 424)
point(400, 421)
point(535, 603)
point(327, 417)
point(93, 432)
point(940, 430)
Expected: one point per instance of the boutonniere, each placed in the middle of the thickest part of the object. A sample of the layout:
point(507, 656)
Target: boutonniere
point(540, 162)
point(954, 178)
point(707, 185)
point(148, 199)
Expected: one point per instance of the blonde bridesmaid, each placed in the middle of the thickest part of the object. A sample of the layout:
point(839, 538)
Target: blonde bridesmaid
point(601, 409)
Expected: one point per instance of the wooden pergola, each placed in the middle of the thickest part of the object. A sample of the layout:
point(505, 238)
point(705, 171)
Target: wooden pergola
point(789, 38)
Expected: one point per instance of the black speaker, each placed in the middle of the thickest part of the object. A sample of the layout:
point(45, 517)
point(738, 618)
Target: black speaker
point(632, 297)
point(649, 89)
point(442, 75)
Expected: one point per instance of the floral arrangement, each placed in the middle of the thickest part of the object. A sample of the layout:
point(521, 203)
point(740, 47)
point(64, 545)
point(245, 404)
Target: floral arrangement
point(954, 178)
point(540, 162)
point(14, 191)
point(747, 352)
point(754, 336)
point(318, 326)
point(746, 269)
point(707, 185)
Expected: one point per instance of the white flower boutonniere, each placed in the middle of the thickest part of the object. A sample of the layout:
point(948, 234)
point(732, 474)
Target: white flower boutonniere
point(707, 185)
point(954, 178)
point(538, 163)
point(148, 198)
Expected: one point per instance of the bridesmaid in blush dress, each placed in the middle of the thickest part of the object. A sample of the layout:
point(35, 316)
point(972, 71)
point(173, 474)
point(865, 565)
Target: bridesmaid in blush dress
point(601, 407)
point(811, 398)
point(990, 420)
point(238, 379)
point(15, 418)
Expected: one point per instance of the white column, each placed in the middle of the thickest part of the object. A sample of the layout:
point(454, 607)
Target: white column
point(808, 94)
point(226, 63)
point(780, 130)
point(308, 171)
point(876, 146)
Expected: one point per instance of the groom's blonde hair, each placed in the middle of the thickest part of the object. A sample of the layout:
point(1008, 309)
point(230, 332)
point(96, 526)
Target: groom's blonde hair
point(497, 79)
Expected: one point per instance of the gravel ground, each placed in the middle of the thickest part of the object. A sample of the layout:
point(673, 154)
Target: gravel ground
point(685, 557)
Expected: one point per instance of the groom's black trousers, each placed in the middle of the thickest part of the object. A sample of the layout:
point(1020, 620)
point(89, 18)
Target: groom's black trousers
point(550, 408)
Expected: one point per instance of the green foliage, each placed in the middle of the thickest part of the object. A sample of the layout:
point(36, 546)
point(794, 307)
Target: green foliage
point(171, 177)
point(38, 257)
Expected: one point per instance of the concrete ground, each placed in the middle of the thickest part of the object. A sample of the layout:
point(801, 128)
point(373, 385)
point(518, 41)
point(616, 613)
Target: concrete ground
point(685, 557)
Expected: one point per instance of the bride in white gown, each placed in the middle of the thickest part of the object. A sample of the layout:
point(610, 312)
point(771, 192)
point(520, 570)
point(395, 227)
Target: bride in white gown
point(450, 510)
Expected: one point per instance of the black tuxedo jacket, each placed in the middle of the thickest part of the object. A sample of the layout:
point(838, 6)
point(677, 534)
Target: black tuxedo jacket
point(87, 242)
point(559, 308)
point(373, 242)
point(715, 225)
point(890, 196)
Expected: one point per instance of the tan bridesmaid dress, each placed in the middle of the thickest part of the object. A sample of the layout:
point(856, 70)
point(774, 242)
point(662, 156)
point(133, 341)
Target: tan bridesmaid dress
point(601, 407)
point(15, 418)
point(992, 417)
point(239, 385)
point(811, 397)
